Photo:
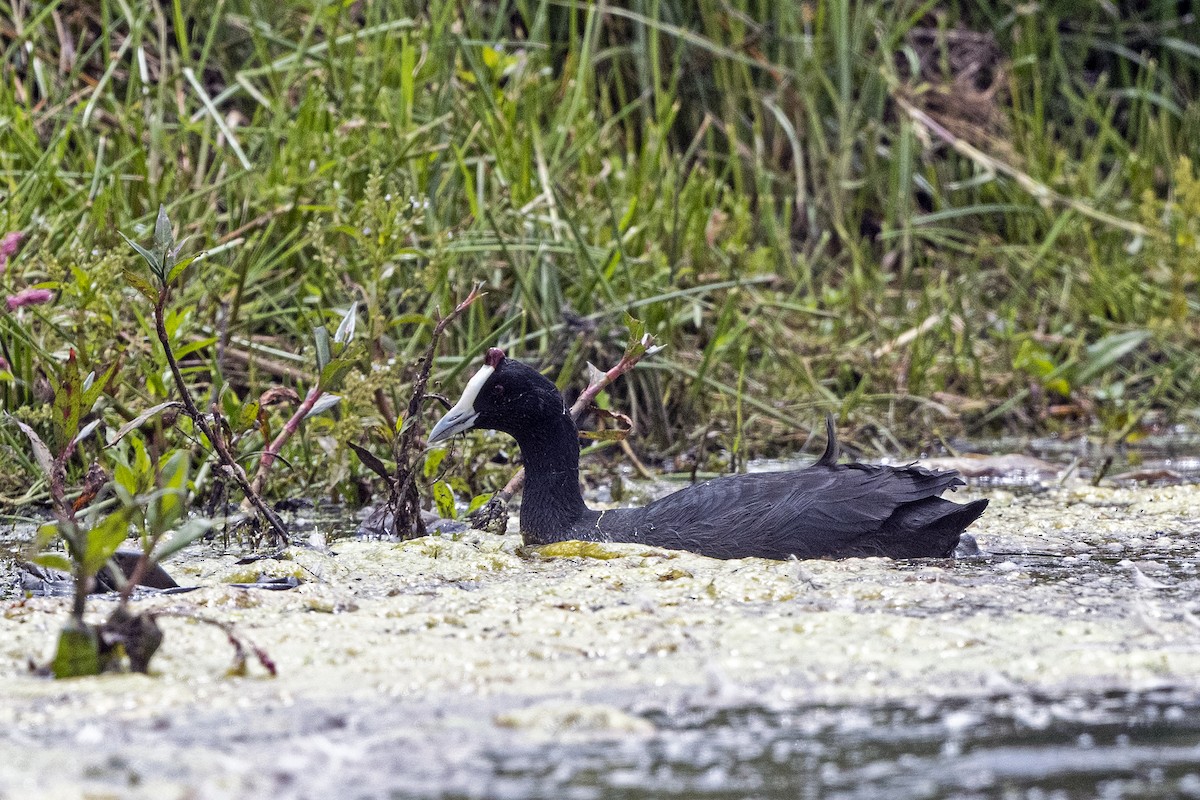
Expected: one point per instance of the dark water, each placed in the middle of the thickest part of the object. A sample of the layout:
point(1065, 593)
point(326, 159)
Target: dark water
point(1103, 746)
point(1144, 745)
point(1176, 455)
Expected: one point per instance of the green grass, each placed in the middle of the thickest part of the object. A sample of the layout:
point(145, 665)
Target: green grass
point(932, 218)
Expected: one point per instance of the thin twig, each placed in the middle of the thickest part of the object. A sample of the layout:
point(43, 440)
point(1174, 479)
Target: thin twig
point(406, 516)
point(239, 643)
point(289, 429)
point(189, 407)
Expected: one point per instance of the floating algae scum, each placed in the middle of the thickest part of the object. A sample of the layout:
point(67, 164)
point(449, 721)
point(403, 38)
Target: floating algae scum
point(1065, 659)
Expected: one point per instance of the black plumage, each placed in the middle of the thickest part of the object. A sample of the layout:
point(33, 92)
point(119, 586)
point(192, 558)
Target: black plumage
point(827, 510)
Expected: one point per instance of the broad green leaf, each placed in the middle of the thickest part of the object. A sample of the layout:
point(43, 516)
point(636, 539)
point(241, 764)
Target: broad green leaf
point(433, 460)
point(46, 533)
point(478, 501)
point(192, 347)
point(166, 510)
point(54, 561)
point(92, 391)
point(164, 237)
point(636, 347)
point(66, 401)
point(189, 532)
point(324, 356)
point(443, 499)
point(141, 461)
point(334, 373)
point(151, 259)
point(180, 266)
point(1108, 351)
point(125, 479)
point(78, 652)
point(231, 404)
point(140, 283)
point(371, 461)
point(248, 416)
point(104, 539)
point(412, 319)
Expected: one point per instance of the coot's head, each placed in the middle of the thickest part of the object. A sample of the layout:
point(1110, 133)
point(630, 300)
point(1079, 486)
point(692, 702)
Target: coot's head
point(504, 395)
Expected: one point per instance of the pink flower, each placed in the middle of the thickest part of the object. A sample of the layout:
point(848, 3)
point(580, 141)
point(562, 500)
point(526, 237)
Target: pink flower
point(29, 297)
point(9, 245)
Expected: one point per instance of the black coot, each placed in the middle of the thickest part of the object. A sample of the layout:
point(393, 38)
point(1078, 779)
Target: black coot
point(828, 510)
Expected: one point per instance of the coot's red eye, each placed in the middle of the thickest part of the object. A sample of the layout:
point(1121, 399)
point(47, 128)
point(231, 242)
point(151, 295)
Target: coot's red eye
point(498, 389)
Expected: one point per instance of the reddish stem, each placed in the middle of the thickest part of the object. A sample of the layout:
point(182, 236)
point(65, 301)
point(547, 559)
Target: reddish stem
point(289, 430)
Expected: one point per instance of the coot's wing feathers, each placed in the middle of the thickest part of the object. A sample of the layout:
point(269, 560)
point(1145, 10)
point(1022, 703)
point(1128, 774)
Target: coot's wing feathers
point(818, 511)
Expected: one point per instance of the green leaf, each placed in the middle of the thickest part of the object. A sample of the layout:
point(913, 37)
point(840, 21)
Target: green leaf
point(151, 259)
point(46, 533)
point(443, 500)
point(140, 283)
point(192, 347)
point(67, 401)
point(180, 266)
point(92, 393)
point(169, 504)
point(141, 461)
point(1032, 359)
point(478, 501)
point(1108, 351)
point(189, 532)
point(636, 346)
point(606, 435)
point(164, 237)
point(324, 356)
point(125, 479)
point(371, 461)
point(412, 319)
point(54, 561)
point(231, 404)
point(78, 652)
point(334, 373)
point(247, 416)
point(433, 460)
point(104, 539)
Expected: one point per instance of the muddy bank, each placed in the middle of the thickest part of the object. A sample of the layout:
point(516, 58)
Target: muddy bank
point(474, 645)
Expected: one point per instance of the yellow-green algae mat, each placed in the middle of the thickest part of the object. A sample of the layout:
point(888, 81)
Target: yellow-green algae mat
point(1106, 603)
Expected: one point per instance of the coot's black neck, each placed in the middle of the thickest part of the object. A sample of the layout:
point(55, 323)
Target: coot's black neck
point(551, 501)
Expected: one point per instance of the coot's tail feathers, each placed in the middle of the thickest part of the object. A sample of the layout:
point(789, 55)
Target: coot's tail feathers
point(930, 527)
point(830, 456)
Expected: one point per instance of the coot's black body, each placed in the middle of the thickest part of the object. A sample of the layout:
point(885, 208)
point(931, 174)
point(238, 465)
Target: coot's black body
point(828, 510)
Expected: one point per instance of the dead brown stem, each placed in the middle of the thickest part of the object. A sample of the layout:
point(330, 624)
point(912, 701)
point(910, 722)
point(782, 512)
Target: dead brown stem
point(404, 501)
